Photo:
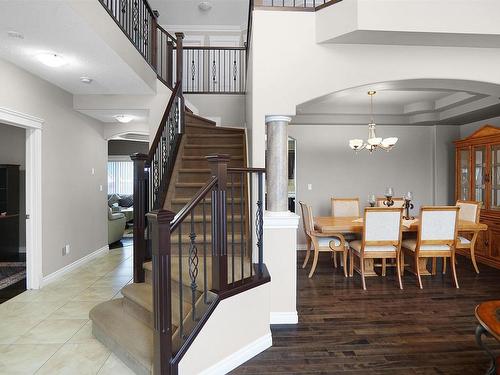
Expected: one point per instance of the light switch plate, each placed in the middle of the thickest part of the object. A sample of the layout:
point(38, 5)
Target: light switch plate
point(93, 171)
point(100, 187)
point(66, 250)
point(309, 186)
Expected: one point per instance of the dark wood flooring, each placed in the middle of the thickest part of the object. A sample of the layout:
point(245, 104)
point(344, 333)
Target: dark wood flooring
point(345, 330)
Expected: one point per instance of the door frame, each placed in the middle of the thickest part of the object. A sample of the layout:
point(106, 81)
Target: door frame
point(33, 126)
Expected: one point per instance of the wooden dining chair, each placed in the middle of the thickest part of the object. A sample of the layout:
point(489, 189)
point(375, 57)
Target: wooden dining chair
point(321, 241)
point(436, 238)
point(468, 211)
point(398, 202)
point(382, 231)
point(345, 207)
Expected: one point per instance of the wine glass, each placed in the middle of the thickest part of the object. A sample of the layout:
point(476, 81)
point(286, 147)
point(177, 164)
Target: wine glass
point(372, 200)
point(389, 192)
point(409, 196)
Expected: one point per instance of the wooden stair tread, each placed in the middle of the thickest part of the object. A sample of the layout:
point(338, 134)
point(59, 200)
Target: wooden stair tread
point(233, 145)
point(214, 135)
point(207, 200)
point(195, 157)
point(201, 184)
point(194, 170)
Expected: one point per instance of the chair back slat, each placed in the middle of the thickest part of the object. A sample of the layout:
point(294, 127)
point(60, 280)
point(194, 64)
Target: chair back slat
point(345, 207)
point(303, 209)
point(382, 225)
point(438, 224)
point(469, 210)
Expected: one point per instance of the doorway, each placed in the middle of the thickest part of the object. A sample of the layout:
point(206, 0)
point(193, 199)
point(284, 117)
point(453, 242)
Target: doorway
point(12, 211)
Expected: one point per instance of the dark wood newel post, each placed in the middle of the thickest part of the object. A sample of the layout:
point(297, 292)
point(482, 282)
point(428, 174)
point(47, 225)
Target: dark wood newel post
point(218, 165)
point(179, 58)
point(139, 215)
point(159, 222)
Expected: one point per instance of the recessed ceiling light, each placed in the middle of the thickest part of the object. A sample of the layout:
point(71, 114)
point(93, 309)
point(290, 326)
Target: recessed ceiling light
point(123, 118)
point(86, 80)
point(205, 6)
point(15, 34)
point(51, 59)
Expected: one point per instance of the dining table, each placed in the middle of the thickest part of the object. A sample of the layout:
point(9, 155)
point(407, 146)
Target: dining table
point(332, 225)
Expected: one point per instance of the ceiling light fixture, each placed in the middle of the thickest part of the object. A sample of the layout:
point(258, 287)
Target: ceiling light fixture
point(205, 6)
point(373, 142)
point(51, 59)
point(86, 80)
point(124, 119)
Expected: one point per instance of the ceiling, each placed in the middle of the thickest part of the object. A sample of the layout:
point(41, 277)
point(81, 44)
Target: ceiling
point(54, 26)
point(223, 14)
point(432, 102)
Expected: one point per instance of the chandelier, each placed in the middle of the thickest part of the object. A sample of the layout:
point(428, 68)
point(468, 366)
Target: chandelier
point(373, 142)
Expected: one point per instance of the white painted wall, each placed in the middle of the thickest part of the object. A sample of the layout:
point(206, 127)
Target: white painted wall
point(468, 129)
point(449, 21)
point(236, 331)
point(74, 210)
point(293, 68)
point(225, 110)
point(13, 151)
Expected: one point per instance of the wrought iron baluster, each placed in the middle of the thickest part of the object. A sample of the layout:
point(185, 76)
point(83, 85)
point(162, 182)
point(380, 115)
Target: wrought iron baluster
point(181, 312)
point(193, 265)
point(242, 252)
point(232, 227)
point(259, 222)
point(242, 216)
point(205, 284)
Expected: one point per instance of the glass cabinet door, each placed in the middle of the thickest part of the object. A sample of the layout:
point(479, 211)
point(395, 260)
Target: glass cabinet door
point(479, 174)
point(464, 174)
point(495, 177)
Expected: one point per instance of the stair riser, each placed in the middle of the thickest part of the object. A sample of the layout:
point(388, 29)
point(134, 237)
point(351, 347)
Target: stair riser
point(203, 163)
point(190, 192)
point(198, 229)
point(193, 128)
point(216, 139)
point(198, 210)
point(203, 177)
point(195, 151)
point(138, 312)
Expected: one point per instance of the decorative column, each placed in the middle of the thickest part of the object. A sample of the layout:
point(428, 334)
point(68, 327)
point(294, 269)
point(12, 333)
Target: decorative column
point(277, 163)
point(280, 226)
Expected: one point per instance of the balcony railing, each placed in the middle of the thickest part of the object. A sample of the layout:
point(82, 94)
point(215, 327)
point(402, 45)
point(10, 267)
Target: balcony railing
point(295, 4)
point(214, 70)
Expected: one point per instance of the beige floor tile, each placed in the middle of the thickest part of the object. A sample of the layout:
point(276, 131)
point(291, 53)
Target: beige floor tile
point(83, 335)
point(26, 296)
point(25, 359)
point(57, 294)
point(74, 310)
point(113, 366)
point(28, 310)
point(103, 293)
point(113, 281)
point(76, 359)
point(12, 329)
point(56, 331)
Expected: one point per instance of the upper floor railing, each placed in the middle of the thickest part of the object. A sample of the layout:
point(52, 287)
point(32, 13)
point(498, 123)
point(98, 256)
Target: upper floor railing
point(311, 5)
point(214, 70)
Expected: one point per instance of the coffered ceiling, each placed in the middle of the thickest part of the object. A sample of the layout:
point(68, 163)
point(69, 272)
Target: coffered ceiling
point(419, 102)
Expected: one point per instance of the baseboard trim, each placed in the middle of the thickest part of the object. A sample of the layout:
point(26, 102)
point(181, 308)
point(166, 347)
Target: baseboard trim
point(301, 247)
point(284, 317)
point(73, 266)
point(241, 356)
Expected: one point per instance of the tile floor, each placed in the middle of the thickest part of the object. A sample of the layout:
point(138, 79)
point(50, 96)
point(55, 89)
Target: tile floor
point(48, 331)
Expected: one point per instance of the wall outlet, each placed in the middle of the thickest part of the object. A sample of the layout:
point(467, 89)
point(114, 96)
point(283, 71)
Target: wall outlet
point(66, 249)
point(309, 186)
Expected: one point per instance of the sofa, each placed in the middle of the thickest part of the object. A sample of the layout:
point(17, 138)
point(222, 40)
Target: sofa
point(122, 203)
point(116, 225)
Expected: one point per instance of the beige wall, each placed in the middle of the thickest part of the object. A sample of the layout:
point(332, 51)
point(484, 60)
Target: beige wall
point(73, 208)
point(293, 68)
point(226, 110)
point(422, 162)
point(13, 151)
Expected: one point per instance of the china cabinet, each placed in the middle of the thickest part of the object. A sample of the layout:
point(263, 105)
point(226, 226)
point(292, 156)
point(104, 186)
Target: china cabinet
point(478, 179)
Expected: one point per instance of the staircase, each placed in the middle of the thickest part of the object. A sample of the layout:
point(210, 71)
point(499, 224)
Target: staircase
point(126, 325)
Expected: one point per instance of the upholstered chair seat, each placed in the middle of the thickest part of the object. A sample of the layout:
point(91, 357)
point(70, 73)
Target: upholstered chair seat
point(382, 233)
point(356, 246)
point(411, 244)
point(328, 241)
point(321, 241)
point(437, 238)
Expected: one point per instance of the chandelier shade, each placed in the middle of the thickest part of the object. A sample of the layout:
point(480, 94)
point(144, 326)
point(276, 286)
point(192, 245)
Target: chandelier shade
point(373, 142)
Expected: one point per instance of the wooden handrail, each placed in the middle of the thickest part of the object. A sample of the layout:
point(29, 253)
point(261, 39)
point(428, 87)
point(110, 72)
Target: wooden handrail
point(186, 210)
point(163, 122)
point(239, 170)
point(215, 48)
point(166, 32)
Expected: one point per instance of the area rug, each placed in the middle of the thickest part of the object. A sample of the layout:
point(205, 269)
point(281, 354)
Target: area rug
point(11, 273)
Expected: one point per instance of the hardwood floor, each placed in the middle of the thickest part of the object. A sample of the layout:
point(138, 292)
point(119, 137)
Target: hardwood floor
point(383, 330)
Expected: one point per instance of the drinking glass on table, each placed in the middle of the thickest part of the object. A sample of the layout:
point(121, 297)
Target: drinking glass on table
point(372, 200)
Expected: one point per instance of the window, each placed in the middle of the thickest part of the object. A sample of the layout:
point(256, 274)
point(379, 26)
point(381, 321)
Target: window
point(120, 177)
